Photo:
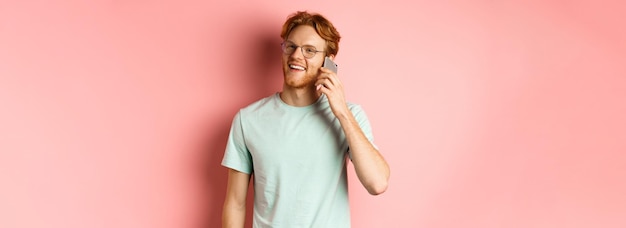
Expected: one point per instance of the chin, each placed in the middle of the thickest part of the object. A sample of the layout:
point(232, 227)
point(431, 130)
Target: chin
point(295, 85)
point(299, 83)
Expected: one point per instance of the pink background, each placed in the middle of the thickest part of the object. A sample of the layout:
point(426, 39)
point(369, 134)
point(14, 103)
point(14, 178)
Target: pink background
point(491, 114)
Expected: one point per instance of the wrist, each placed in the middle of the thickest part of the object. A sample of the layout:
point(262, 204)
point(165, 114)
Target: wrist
point(344, 114)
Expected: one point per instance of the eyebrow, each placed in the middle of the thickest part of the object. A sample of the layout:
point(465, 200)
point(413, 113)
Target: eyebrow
point(304, 45)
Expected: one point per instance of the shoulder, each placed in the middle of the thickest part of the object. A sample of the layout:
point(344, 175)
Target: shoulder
point(262, 107)
point(357, 111)
point(259, 104)
point(355, 108)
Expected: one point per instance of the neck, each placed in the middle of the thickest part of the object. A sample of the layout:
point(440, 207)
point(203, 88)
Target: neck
point(299, 97)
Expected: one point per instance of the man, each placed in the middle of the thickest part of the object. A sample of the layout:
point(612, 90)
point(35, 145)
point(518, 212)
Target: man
point(295, 143)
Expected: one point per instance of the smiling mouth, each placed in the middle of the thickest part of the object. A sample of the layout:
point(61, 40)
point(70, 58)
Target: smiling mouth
point(296, 67)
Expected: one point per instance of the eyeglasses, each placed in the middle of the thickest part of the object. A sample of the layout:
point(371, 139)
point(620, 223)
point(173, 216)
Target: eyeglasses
point(308, 51)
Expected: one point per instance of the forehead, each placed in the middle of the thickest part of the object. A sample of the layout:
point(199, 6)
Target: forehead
point(305, 35)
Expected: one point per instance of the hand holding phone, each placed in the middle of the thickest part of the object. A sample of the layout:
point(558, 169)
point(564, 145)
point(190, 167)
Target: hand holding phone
point(329, 64)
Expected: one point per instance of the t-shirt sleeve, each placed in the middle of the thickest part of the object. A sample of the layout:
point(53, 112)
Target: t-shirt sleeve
point(237, 156)
point(364, 123)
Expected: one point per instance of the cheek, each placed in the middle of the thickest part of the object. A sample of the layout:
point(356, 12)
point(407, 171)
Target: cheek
point(311, 67)
point(315, 65)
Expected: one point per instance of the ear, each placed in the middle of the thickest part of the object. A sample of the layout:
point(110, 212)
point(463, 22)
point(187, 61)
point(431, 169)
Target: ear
point(332, 57)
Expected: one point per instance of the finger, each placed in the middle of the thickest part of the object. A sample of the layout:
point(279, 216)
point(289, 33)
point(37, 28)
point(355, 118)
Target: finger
point(327, 71)
point(332, 79)
point(323, 83)
point(324, 90)
point(322, 80)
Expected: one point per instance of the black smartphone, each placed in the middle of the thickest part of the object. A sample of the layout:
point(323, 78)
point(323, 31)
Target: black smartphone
point(329, 64)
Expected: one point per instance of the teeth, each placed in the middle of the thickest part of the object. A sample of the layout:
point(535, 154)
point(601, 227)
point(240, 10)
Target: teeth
point(296, 67)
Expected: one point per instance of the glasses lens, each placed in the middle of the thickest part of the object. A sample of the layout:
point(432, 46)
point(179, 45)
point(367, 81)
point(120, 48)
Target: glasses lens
point(309, 51)
point(288, 48)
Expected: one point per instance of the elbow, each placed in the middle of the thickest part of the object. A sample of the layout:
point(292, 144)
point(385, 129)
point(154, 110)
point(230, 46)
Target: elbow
point(377, 188)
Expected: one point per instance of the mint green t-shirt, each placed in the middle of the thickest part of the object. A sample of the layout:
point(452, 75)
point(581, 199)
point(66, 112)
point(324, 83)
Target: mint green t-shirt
point(297, 156)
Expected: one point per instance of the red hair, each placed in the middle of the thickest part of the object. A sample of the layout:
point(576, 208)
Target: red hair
point(322, 26)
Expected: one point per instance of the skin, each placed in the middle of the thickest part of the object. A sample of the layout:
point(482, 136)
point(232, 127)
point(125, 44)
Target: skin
point(302, 88)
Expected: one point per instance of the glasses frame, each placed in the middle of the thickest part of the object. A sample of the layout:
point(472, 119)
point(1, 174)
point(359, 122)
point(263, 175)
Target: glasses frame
point(284, 46)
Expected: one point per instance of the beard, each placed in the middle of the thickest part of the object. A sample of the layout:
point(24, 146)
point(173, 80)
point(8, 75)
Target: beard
point(299, 80)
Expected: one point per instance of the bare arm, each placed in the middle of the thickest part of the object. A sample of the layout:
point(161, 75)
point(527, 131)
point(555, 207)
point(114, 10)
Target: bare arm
point(234, 211)
point(369, 164)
